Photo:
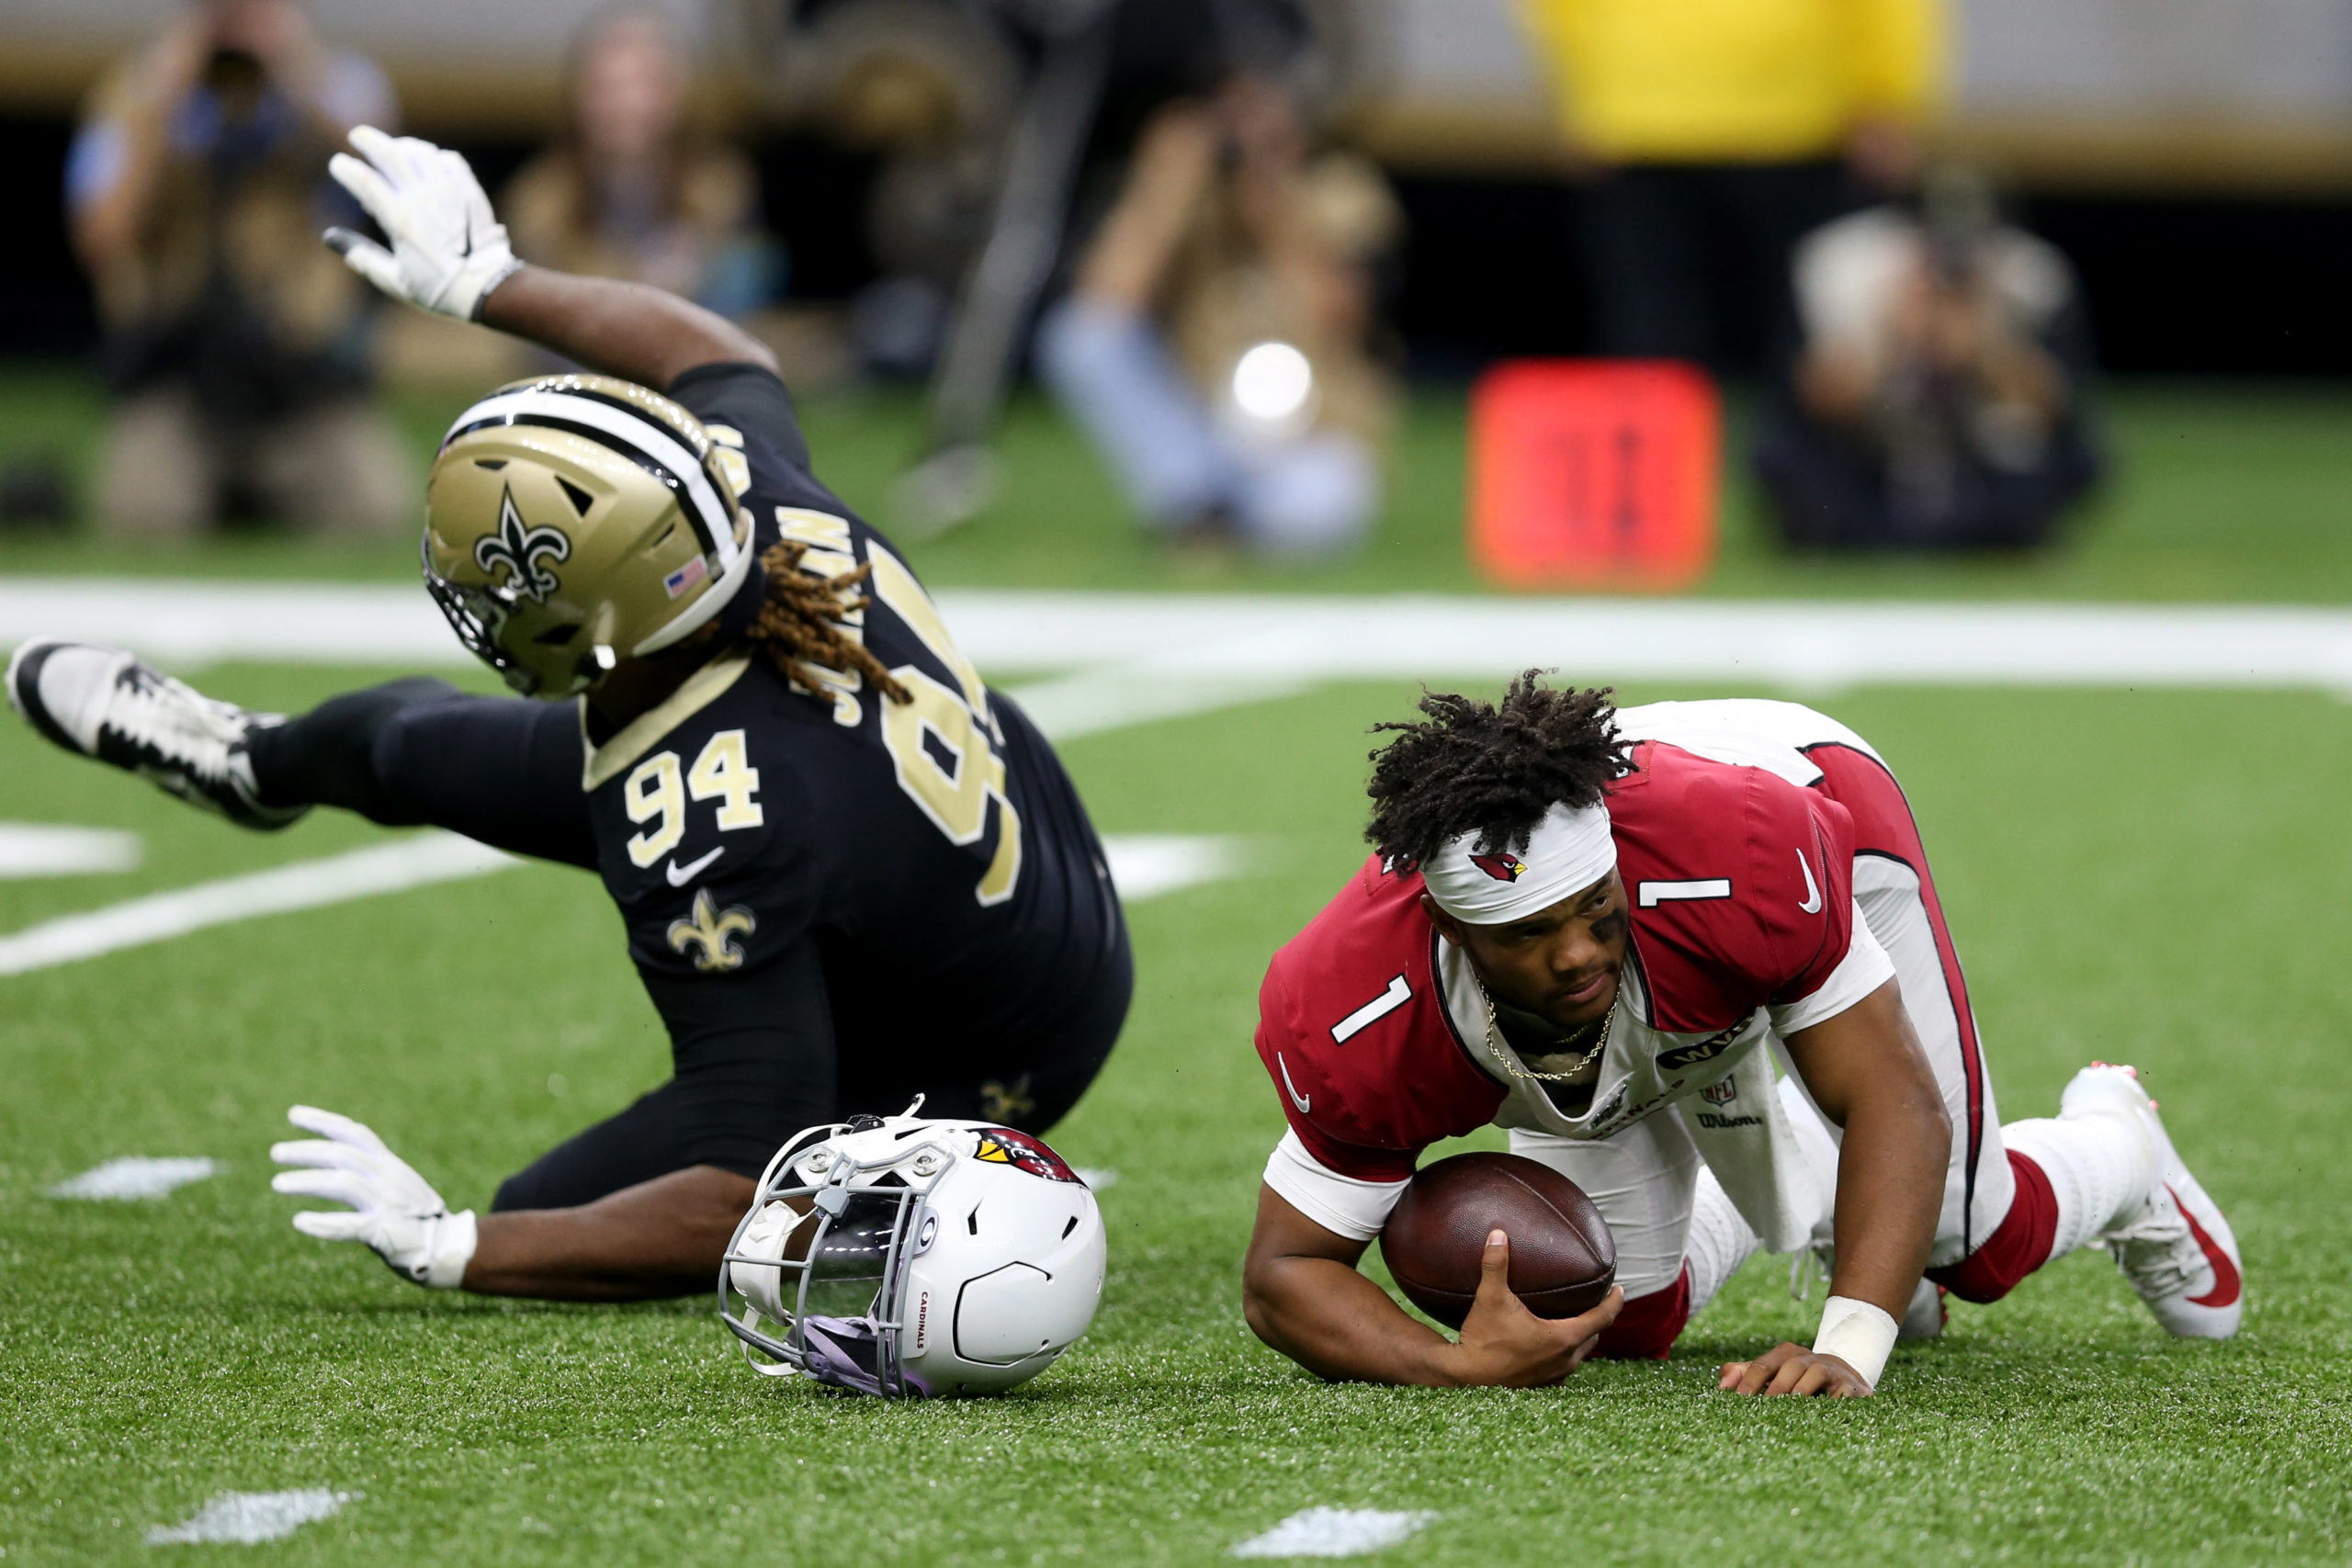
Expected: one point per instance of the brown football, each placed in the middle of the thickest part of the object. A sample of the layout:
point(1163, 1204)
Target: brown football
point(1563, 1258)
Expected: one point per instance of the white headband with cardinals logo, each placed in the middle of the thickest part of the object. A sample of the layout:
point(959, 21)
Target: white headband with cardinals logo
point(1568, 851)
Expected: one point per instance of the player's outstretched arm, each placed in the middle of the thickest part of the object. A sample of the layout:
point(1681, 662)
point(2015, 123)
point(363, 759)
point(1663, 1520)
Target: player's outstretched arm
point(1869, 1074)
point(449, 254)
point(662, 1238)
point(1303, 1296)
point(628, 330)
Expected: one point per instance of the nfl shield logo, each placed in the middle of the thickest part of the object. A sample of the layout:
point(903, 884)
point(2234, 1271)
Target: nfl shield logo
point(1720, 1093)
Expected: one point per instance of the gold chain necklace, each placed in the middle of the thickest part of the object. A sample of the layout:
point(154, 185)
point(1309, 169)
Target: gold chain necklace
point(1509, 1063)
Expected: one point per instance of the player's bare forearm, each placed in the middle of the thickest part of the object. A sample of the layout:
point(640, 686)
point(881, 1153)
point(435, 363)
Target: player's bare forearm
point(630, 330)
point(1338, 1325)
point(1302, 1295)
point(1869, 1074)
point(662, 1238)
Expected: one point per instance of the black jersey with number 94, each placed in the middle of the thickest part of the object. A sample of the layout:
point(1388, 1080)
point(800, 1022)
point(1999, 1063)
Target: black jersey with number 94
point(918, 877)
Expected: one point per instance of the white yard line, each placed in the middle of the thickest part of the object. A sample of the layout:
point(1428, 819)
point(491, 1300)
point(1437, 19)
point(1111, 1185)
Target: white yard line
point(1143, 865)
point(35, 849)
point(130, 1177)
point(306, 884)
point(1117, 697)
point(1246, 639)
point(1335, 1533)
point(248, 1518)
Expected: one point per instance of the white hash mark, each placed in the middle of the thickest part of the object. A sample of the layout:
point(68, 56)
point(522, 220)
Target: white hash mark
point(133, 1175)
point(251, 1517)
point(1095, 1176)
point(1335, 1533)
point(1145, 865)
point(33, 849)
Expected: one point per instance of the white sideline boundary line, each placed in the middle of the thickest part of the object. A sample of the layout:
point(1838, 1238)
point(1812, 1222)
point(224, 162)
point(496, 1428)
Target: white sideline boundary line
point(1143, 866)
point(1209, 640)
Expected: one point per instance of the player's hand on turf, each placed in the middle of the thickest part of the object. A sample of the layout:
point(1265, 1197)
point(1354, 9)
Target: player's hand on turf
point(1793, 1368)
point(1503, 1345)
point(448, 250)
point(394, 1210)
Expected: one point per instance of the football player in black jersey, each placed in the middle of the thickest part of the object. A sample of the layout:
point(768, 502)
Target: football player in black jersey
point(849, 872)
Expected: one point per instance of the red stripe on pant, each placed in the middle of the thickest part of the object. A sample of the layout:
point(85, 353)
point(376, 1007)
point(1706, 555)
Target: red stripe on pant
point(1883, 826)
point(1645, 1328)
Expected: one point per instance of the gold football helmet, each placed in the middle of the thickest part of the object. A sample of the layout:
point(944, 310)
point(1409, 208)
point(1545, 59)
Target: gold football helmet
point(572, 521)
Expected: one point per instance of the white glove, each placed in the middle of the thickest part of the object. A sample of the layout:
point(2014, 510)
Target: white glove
point(396, 1211)
point(448, 250)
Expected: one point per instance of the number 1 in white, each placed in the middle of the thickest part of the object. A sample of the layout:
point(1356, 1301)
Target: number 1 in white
point(1398, 993)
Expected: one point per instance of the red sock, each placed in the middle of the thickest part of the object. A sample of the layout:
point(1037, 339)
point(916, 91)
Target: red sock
point(2017, 1246)
point(1645, 1329)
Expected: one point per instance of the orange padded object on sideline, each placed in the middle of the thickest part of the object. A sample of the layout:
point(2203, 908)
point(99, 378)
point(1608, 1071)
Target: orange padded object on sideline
point(1594, 473)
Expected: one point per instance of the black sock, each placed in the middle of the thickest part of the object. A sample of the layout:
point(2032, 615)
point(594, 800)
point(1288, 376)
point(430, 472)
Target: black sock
point(327, 756)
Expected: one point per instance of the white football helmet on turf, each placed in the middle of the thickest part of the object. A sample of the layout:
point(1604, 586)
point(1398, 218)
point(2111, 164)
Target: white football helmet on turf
point(914, 1258)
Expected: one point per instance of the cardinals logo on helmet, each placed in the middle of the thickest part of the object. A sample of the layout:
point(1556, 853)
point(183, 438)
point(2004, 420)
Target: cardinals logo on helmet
point(1003, 1146)
point(1502, 868)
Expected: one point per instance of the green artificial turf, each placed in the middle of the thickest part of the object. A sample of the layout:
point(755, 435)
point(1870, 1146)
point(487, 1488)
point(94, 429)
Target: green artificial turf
point(2152, 877)
point(2219, 492)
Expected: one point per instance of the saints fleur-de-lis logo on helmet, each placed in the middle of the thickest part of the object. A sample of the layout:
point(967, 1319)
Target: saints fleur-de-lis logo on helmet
point(520, 550)
point(712, 931)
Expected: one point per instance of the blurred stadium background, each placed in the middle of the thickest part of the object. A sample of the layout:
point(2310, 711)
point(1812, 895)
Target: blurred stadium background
point(2077, 766)
point(2191, 160)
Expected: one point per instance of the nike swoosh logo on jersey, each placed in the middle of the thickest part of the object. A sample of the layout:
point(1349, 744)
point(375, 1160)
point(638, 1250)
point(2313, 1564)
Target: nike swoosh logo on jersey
point(1306, 1103)
point(2226, 1283)
point(679, 875)
point(1811, 905)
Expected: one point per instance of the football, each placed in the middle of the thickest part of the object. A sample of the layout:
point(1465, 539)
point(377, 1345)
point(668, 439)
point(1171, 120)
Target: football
point(1563, 1258)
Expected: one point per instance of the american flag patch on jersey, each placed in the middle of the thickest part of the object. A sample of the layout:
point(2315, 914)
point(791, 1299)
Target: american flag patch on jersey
point(685, 577)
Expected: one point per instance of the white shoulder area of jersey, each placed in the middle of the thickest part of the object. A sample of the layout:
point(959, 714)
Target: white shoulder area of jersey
point(1748, 733)
point(1344, 1205)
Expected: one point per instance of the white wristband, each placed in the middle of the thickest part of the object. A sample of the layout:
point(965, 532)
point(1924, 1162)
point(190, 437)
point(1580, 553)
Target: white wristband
point(450, 1250)
point(1858, 1334)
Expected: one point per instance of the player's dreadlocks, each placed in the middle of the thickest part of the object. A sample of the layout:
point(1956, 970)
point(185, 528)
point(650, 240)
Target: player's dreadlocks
point(799, 623)
point(1473, 766)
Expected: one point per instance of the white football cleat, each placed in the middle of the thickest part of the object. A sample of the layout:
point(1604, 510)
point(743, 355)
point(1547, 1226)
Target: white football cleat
point(2177, 1250)
point(1926, 1317)
point(104, 703)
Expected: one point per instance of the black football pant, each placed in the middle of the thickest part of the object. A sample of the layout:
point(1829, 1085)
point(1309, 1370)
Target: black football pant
point(506, 772)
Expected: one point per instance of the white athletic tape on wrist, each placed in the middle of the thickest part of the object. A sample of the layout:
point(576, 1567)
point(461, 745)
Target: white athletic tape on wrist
point(1858, 1334)
point(455, 1236)
point(1568, 853)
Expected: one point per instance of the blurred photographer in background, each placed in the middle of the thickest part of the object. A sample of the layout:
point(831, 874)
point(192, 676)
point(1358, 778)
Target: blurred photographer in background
point(237, 351)
point(638, 186)
point(1938, 399)
point(1217, 342)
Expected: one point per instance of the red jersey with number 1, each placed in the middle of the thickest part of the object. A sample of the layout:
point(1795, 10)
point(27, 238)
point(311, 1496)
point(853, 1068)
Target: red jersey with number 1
point(1740, 884)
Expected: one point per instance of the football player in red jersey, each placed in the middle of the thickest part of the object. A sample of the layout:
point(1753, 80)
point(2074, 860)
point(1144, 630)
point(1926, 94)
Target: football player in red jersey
point(1596, 927)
